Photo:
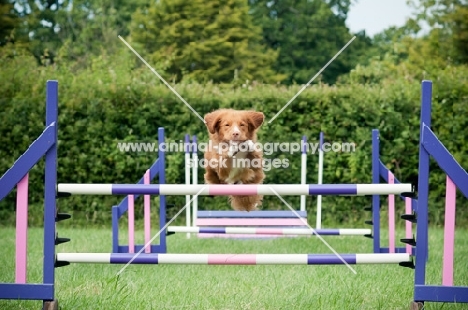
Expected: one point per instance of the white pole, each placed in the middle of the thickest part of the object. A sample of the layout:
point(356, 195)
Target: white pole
point(303, 170)
point(320, 180)
point(195, 179)
point(233, 259)
point(187, 180)
point(233, 189)
point(270, 231)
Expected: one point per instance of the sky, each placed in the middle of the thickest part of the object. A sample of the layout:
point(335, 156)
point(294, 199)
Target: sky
point(373, 16)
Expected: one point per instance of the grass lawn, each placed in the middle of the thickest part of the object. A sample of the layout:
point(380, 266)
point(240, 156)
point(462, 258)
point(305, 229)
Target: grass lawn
point(229, 287)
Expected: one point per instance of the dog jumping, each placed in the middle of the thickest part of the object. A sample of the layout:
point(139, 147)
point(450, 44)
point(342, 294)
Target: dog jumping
point(233, 157)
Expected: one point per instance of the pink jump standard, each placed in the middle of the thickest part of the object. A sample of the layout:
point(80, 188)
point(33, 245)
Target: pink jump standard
point(21, 229)
point(147, 211)
point(391, 216)
point(449, 232)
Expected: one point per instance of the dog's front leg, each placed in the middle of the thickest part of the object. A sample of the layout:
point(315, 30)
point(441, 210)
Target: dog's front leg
point(211, 177)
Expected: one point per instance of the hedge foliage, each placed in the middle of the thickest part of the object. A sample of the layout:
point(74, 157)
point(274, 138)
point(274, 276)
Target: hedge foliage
point(115, 101)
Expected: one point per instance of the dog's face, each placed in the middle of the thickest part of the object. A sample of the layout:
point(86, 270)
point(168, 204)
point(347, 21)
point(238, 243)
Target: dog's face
point(233, 125)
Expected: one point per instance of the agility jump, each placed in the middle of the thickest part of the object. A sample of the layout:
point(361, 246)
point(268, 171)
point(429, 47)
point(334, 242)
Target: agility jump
point(225, 224)
point(233, 259)
point(235, 189)
point(46, 146)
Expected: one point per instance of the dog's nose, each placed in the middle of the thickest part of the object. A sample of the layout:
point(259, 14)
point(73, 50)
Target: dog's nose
point(235, 132)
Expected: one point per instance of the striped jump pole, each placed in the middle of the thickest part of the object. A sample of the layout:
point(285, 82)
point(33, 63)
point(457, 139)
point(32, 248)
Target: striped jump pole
point(268, 231)
point(303, 171)
point(318, 223)
point(188, 216)
point(237, 189)
point(195, 179)
point(233, 259)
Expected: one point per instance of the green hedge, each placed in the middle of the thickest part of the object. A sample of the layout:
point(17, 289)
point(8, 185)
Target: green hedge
point(113, 101)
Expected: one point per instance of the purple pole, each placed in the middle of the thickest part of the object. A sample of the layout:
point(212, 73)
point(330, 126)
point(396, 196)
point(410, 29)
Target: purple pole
point(50, 187)
point(423, 188)
point(115, 229)
point(195, 146)
point(376, 198)
point(162, 198)
point(187, 144)
point(321, 140)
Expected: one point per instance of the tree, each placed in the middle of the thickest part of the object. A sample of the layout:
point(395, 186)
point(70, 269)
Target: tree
point(203, 41)
point(340, 7)
point(83, 27)
point(448, 20)
point(8, 21)
point(460, 32)
point(307, 35)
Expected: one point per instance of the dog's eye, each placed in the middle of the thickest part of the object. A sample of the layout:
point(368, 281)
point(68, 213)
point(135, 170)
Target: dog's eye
point(242, 125)
point(227, 125)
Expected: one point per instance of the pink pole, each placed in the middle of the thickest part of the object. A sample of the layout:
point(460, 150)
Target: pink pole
point(449, 232)
point(131, 224)
point(391, 216)
point(21, 230)
point(409, 227)
point(147, 210)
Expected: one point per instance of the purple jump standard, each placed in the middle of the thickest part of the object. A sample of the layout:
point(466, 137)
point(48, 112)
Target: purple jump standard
point(233, 259)
point(238, 189)
point(269, 231)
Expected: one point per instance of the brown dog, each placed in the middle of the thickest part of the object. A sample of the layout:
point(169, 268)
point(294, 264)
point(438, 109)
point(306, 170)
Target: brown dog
point(232, 157)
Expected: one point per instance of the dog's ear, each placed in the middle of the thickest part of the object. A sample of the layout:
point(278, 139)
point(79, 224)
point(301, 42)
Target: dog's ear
point(212, 121)
point(255, 118)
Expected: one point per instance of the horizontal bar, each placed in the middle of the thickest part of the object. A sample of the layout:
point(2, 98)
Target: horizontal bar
point(155, 248)
point(27, 291)
point(383, 170)
point(243, 236)
point(252, 214)
point(252, 222)
point(237, 189)
point(398, 250)
point(123, 205)
point(435, 293)
point(232, 259)
point(268, 231)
